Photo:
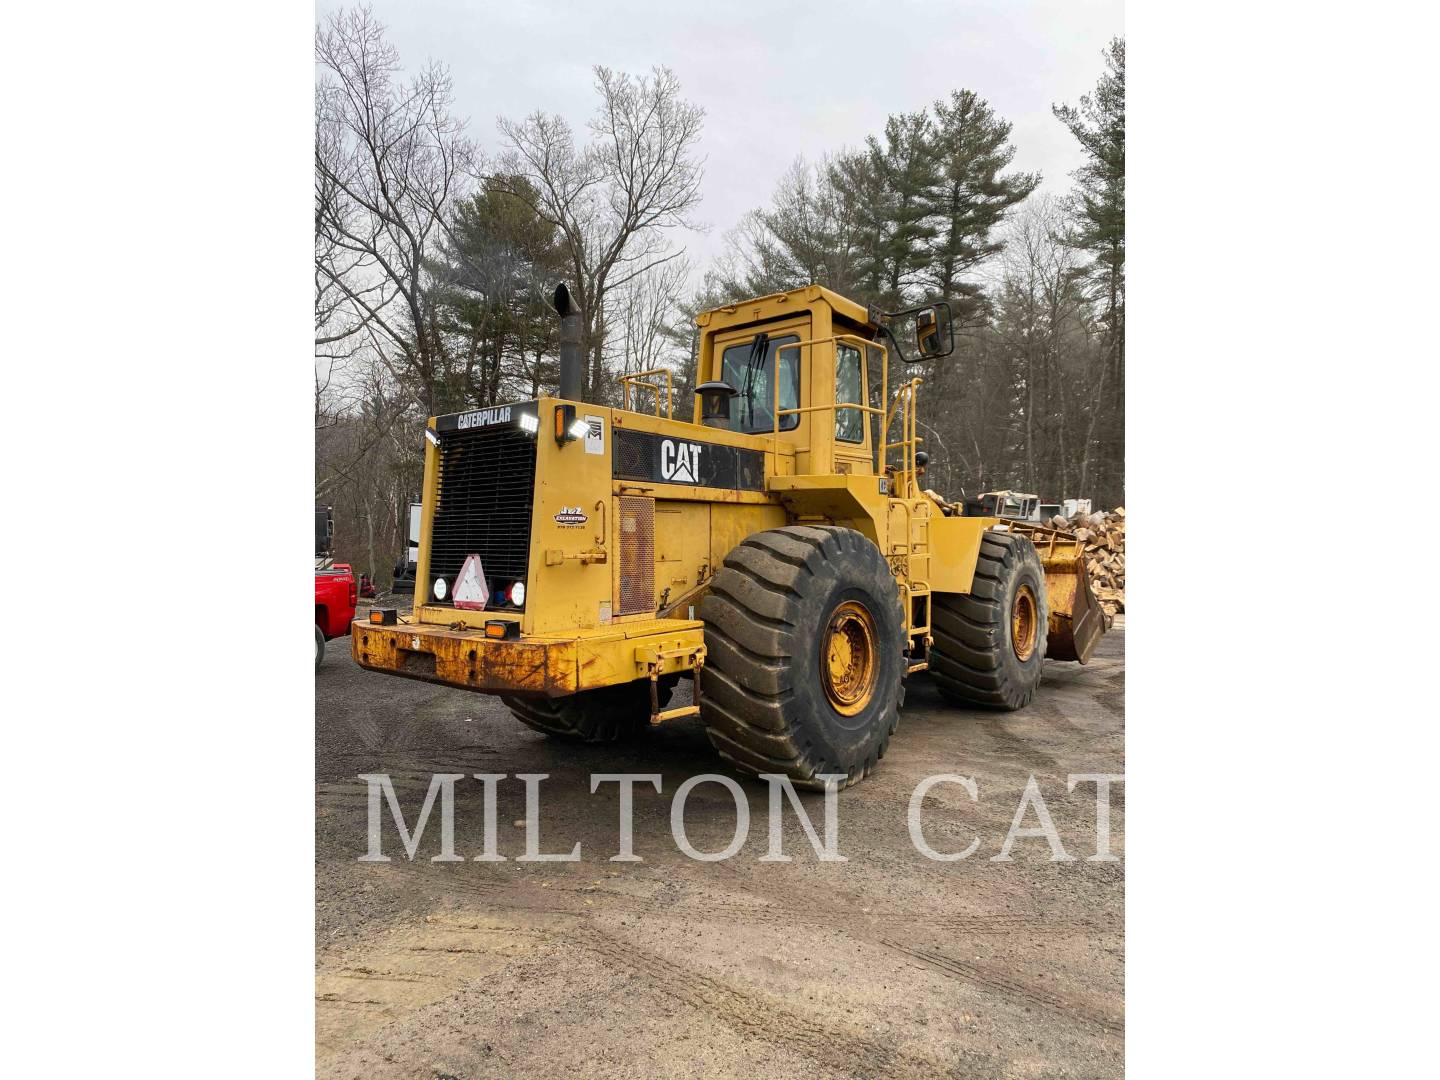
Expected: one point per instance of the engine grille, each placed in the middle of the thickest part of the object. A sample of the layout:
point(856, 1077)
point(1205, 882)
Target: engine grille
point(486, 492)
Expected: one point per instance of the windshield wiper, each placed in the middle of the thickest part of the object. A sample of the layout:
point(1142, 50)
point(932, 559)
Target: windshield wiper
point(753, 363)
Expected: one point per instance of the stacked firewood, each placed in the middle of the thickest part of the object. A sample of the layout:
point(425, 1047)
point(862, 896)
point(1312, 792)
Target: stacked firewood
point(1103, 535)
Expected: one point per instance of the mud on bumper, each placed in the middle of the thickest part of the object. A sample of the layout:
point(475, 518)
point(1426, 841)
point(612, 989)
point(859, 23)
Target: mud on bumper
point(552, 666)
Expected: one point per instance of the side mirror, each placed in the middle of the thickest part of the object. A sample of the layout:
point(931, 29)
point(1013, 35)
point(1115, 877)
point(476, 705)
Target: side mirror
point(934, 332)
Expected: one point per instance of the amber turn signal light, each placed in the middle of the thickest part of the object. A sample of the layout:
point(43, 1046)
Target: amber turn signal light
point(382, 616)
point(502, 630)
point(565, 424)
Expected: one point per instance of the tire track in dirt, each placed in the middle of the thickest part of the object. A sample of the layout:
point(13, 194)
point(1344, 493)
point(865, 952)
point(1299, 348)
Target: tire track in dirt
point(847, 1051)
point(1009, 986)
point(401, 976)
point(509, 896)
point(392, 979)
point(365, 987)
point(986, 978)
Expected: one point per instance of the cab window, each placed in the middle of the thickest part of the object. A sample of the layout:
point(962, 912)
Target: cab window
point(849, 423)
point(751, 373)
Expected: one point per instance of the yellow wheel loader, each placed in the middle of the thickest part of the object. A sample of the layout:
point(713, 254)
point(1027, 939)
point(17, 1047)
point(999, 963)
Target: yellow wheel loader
point(776, 548)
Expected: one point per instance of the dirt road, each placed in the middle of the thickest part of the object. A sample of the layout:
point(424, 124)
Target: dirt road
point(888, 964)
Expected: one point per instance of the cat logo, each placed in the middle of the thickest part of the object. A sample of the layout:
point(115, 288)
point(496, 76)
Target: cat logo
point(680, 462)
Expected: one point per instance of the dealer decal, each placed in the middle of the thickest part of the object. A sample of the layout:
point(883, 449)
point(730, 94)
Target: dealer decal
point(570, 517)
point(595, 435)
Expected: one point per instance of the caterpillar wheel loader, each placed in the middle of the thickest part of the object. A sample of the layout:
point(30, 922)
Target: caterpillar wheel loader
point(578, 560)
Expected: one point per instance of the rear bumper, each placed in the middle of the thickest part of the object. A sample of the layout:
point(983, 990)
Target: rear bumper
point(555, 666)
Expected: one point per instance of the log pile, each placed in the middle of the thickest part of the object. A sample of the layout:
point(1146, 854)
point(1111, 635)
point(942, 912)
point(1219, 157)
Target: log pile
point(1103, 535)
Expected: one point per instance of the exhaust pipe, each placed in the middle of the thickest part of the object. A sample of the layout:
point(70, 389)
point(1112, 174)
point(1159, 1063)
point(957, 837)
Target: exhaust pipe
point(570, 331)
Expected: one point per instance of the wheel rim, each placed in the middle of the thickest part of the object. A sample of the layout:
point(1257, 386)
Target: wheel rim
point(848, 657)
point(1024, 623)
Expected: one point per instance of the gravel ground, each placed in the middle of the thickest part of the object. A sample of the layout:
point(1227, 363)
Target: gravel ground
point(888, 964)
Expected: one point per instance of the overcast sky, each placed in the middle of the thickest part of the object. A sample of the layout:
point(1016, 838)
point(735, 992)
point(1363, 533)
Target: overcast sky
point(776, 79)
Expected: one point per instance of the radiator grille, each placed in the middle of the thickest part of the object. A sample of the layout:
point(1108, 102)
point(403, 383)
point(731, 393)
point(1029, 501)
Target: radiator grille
point(637, 555)
point(486, 492)
point(636, 457)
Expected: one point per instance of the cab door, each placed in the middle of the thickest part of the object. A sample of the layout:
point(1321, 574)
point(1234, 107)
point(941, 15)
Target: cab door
point(854, 452)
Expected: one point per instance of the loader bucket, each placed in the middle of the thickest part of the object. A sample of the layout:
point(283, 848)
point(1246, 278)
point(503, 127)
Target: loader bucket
point(1076, 619)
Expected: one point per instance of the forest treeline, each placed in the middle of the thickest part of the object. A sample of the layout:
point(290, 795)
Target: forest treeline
point(434, 264)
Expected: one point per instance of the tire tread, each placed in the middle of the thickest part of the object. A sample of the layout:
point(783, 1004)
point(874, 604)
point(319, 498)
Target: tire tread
point(748, 695)
point(971, 630)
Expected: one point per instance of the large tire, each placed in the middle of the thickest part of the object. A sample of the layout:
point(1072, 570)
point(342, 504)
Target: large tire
point(988, 649)
point(773, 617)
point(591, 716)
point(319, 646)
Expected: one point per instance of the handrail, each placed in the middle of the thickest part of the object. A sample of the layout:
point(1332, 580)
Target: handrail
point(635, 378)
point(837, 407)
point(863, 345)
point(909, 439)
point(905, 405)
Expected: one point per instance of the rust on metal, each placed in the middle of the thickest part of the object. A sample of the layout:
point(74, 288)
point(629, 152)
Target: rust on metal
point(849, 663)
point(652, 658)
point(1024, 623)
point(1076, 622)
point(637, 556)
point(689, 598)
point(552, 666)
point(467, 659)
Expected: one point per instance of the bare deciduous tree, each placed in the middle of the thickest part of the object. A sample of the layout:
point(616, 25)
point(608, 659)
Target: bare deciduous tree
point(614, 199)
point(1046, 325)
point(645, 310)
point(389, 161)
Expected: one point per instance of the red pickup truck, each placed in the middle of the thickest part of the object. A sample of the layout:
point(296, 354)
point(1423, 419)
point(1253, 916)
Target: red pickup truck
point(335, 591)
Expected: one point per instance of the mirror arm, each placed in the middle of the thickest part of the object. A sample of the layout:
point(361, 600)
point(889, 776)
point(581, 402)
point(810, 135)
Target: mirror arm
point(899, 350)
point(881, 319)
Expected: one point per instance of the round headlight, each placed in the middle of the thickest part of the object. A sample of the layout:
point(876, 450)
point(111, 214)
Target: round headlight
point(439, 588)
point(517, 594)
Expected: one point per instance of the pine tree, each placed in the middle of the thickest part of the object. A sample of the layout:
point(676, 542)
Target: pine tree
point(1097, 210)
point(864, 203)
point(969, 197)
point(906, 165)
point(497, 265)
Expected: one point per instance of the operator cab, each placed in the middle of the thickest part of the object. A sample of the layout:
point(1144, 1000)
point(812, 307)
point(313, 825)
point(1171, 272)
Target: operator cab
point(809, 368)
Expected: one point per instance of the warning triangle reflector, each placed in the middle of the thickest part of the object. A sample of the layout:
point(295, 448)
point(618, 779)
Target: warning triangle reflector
point(470, 590)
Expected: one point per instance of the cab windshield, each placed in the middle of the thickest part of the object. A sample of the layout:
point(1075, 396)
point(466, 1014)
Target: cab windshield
point(752, 372)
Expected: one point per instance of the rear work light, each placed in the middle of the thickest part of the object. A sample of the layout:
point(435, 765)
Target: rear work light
point(502, 630)
point(513, 594)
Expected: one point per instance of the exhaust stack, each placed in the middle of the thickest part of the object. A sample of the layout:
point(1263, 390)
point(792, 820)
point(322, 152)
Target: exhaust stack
point(570, 331)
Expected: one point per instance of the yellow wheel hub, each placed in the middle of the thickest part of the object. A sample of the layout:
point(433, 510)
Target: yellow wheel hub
point(848, 658)
point(1024, 623)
